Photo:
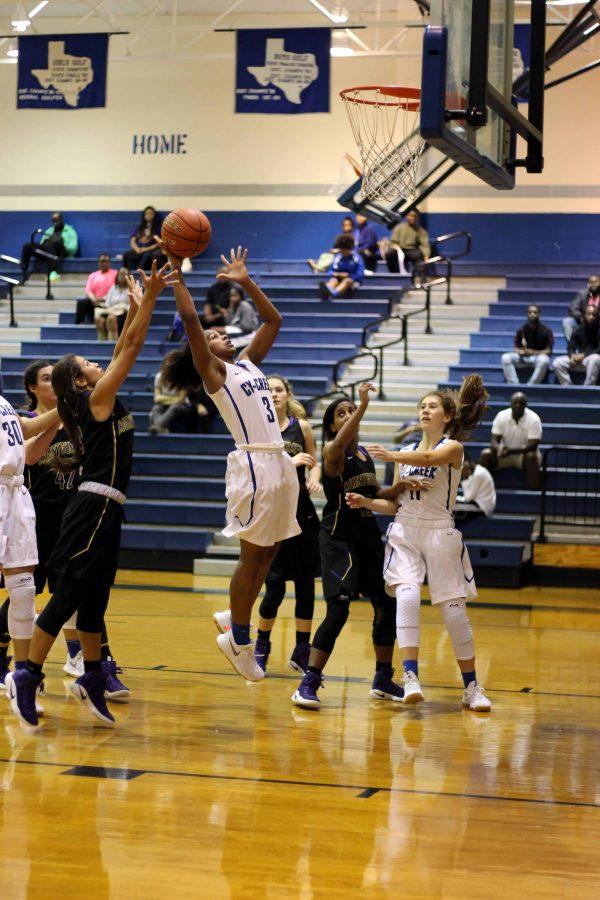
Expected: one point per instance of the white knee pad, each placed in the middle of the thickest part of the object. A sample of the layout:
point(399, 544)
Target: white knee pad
point(408, 612)
point(21, 610)
point(72, 622)
point(459, 627)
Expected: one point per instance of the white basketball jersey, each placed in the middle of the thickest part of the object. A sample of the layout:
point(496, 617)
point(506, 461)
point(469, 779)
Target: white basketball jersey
point(12, 443)
point(246, 405)
point(438, 502)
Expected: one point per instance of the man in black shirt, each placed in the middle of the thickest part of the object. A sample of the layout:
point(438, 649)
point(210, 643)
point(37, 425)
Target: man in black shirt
point(583, 350)
point(533, 346)
point(579, 304)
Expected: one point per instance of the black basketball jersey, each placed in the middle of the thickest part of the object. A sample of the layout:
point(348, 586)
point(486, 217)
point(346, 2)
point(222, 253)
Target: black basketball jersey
point(47, 485)
point(359, 477)
point(294, 443)
point(108, 446)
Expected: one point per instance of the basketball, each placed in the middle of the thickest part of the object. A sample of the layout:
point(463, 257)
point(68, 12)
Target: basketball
point(186, 232)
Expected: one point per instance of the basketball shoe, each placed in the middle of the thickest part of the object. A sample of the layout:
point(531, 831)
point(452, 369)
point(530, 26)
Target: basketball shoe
point(385, 688)
point(413, 692)
point(89, 688)
point(262, 648)
point(21, 687)
point(474, 698)
point(74, 665)
point(4, 670)
point(241, 657)
point(299, 659)
point(306, 693)
point(222, 620)
point(114, 688)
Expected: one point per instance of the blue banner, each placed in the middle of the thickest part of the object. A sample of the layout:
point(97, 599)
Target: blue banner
point(282, 70)
point(62, 71)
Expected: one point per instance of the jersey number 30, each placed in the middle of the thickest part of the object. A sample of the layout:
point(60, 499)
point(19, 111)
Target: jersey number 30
point(270, 413)
point(14, 433)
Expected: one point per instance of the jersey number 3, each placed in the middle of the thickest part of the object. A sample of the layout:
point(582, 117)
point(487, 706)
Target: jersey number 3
point(14, 433)
point(270, 413)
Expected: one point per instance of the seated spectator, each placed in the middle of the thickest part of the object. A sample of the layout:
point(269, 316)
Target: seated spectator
point(477, 492)
point(172, 410)
point(405, 430)
point(533, 347)
point(109, 316)
point(412, 239)
point(583, 350)
point(516, 436)
point(97, 287)
point(242, 318)
point(588, 296)
point(216, 304)
point(60, 239)
point(346, 272)
point(143, 248)
point(323, 263)
point(366, 242)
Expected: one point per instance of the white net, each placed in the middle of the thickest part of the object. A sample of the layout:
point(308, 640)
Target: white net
point(385, 123)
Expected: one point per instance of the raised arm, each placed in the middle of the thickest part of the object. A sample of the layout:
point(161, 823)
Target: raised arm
point(32, 427)
point(333, 452)
point(135, 299)
point(102, 398)
point(36, 447)
point(450, 453)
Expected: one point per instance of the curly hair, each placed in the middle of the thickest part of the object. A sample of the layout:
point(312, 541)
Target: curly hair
point(178, 370)
point(467, 406)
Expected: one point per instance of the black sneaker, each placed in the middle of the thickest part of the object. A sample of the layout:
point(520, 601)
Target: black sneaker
point(90, 688)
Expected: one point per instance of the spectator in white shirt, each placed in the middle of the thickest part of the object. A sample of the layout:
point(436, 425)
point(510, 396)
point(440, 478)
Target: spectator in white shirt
point(516, 436)
point(477, 493)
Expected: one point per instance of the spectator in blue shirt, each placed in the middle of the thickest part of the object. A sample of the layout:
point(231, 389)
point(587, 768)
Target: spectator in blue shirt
point(366, 242)
point(346, 272)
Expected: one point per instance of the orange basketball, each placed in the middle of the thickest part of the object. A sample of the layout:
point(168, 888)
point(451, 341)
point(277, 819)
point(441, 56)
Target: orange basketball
point(186, 232)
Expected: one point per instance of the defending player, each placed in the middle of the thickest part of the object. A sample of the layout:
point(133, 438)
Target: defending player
point(262, 485)
point(423, 540)
point(298, 557)
point(351, 552)
point(85, 557)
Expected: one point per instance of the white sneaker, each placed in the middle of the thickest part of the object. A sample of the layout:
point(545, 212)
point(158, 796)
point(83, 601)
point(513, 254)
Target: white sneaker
point(413, 692)
point(241, 657)
point(222, 620)
point(474, 698)
point(74, 665)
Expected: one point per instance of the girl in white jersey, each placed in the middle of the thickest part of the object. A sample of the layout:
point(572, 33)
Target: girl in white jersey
point(422, 540)
point(21, 441)
point(261, 482)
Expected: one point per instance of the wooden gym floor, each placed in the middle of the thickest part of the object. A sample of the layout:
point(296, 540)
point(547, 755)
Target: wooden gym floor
point(213, 788)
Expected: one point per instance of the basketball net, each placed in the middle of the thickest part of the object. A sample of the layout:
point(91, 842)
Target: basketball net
point(385, 124)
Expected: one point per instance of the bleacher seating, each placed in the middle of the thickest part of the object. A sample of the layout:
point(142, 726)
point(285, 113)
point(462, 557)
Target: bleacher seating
point(176, 499)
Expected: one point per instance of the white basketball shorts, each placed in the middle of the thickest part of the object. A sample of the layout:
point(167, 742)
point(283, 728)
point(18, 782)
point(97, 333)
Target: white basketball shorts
point(262, 497)
point(415, 551)
point(18, 544)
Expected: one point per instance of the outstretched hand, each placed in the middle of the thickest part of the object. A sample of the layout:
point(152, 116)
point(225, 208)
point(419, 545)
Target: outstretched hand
point(355, 501)
point(134, 290)
point(175, 261)
point(158, 279)
point(364, 389)
point(235, 267)
point(379, 452)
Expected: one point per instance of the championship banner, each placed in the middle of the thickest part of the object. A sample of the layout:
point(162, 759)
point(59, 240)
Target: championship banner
point(282, 70)
point(62, 71)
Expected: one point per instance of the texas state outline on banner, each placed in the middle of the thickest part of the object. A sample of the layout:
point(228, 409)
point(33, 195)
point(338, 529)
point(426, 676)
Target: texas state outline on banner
point(66, 73)
point(292, 72)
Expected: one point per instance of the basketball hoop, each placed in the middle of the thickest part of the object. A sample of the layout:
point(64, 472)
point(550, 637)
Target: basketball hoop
point(385, 123)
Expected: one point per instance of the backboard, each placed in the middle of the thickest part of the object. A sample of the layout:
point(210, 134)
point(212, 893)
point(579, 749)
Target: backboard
point(467, 108)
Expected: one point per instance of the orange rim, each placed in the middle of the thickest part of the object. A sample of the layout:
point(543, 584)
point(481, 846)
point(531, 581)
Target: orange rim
point(398, 93)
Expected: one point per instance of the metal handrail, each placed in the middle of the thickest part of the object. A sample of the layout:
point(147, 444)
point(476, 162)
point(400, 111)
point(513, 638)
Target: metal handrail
point(11, 282)
point(454, 234)
point(542, 539)
point(339, 386)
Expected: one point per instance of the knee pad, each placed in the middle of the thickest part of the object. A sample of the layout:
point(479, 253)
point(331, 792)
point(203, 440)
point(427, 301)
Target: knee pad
point(21, 610)
point(459, 628)
point(305, 599)
point(270, 603)
point(329, 630)
point(408, 614)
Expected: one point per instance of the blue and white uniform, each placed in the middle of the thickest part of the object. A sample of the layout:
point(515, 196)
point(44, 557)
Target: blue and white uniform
point(422, 540)
point(261, 481)
point(18, 546)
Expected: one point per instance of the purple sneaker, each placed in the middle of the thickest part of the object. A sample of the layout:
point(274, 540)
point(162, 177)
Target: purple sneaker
point(4, 670)
point(21, 687)
point(385, 688)
point(306, 694)
point(262, 648)
point(89, 688)
point(299, 659)
point(114, 689)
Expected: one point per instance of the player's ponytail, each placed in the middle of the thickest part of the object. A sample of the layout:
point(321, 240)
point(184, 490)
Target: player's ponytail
point(68, 396)
point(178, 371)
point(466, 406)
point(30, 378)
point(293, 407)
